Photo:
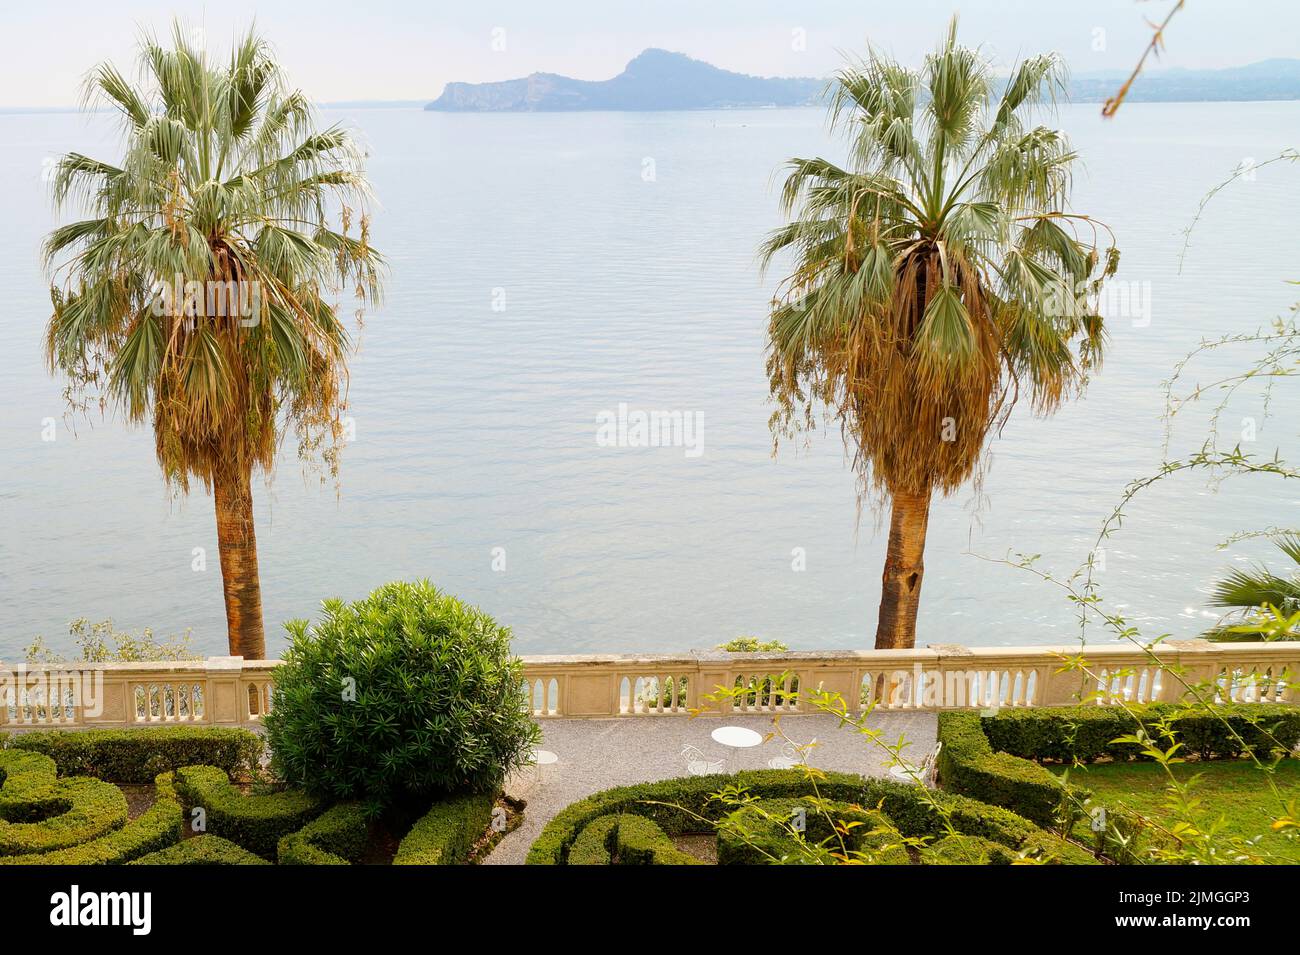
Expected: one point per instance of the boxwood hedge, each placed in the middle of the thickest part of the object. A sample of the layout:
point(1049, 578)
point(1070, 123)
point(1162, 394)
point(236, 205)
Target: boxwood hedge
point(202, 850)
point(966, 850)
point(676, 806)
point(594, 844)
point(447, 832)
point(156, 828)
point(995, 758)
point(41, 813)
point(757, 833)
point(969, 765)
point(257, 823)
point(139, 755)
point(626, 839)
point(336, 837)
point(1088, 733)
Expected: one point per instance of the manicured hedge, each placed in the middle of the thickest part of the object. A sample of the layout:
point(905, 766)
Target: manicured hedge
point(915, 817)
point(202, 850)
point(447, 832)
point(757, 833)
point(675, 805)
point(337, 837)
point(156, 828)
point(41, 813)
point(1087, 733)
point(966, 850)
point(994, 758)
point(257, 823)
point(969, 765)
point(139, 755)
point(594, 844)
point(638, 841)
point(626, 839)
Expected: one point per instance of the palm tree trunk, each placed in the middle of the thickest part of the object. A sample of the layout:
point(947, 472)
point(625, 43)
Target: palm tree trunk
point(237, 541)
point(900, 595)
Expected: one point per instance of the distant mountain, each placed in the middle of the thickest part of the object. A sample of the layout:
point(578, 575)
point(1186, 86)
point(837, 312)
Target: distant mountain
point(657, 79)
point(1266, 80)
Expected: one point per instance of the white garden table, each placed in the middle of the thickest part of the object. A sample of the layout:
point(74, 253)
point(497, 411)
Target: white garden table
point(543, 757)
point(735, 738)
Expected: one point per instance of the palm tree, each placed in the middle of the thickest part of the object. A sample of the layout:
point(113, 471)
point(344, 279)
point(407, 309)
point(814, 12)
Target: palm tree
point(196, 293)
point(936, 276)
point(1260, 603)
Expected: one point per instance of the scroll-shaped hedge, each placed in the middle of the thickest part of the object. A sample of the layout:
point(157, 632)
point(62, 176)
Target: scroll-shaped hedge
point(447, 832)
point(156, 828)
point(626, 839)
point(969, 765)
point(763, 832)
point(680, 806)
point(337, 837)
point(257, 823)
point(966, 850)
point(41, 813)
point(202, 850)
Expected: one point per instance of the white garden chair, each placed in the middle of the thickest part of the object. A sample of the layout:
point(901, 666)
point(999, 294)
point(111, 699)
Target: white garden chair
point(791, 756)
point(697, 764)
point(910, 773)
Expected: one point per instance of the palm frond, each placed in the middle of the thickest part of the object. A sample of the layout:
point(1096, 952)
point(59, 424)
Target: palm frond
point(196, 286)
point(934, 274)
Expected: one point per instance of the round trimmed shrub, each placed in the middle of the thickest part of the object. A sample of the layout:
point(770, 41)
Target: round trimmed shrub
point(405, 695)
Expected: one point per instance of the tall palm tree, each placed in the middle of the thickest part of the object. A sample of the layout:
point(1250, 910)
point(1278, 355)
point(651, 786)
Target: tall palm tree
point(197, 291)
point(936, 276)
point(1259, 601)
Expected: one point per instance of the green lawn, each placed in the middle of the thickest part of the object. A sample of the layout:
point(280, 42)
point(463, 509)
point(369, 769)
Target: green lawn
point(1235, 789)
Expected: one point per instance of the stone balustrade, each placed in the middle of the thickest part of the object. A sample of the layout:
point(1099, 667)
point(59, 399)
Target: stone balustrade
point(230, 691)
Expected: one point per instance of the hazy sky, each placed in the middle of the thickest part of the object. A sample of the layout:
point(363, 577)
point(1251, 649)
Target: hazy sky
point(407, 49)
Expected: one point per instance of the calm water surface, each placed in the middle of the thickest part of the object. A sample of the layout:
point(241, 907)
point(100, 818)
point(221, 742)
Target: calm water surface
point(476, 428)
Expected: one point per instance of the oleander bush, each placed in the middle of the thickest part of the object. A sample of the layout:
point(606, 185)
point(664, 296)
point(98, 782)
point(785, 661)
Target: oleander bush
point(255, 822)
point(447, 832)
point(687, 806)
point(139, 755)
point(202, 850)
point(40, 812)
point(404, 696)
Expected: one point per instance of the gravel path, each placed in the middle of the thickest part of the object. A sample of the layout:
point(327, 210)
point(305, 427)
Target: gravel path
point(600, 754)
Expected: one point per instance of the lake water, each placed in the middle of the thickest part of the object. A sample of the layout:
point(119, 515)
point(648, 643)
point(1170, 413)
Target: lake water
point(476, 429)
